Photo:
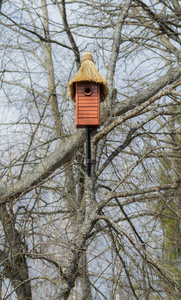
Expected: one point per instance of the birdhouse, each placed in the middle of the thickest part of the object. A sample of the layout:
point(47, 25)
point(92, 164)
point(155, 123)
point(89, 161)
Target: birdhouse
point(87, 89)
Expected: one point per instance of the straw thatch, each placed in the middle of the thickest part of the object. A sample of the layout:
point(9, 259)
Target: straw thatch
point(88, 72)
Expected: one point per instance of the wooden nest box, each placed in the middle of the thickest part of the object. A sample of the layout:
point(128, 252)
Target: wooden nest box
point(87, 89)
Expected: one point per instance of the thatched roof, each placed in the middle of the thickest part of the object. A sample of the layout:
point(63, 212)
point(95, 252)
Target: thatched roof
point(88, 72)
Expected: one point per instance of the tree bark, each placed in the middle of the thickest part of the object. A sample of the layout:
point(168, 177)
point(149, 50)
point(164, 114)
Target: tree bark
point(14, 263)
point(50, 73)
point(1, 2)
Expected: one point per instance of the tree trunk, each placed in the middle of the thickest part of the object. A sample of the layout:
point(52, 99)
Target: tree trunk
point(1, 2)
point(14, 264)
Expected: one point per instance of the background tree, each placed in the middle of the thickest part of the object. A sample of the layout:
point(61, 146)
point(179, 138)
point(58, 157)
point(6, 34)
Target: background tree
point(65, 235)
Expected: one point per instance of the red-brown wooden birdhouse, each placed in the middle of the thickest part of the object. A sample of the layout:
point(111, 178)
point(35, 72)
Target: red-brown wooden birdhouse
point(87, 89)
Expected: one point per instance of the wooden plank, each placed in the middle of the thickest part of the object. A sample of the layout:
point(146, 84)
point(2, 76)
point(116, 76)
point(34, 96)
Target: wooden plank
point(88, 121)
point(88, 103)
point(91, 101)
point(87, 117)
point(83, 115)
point(89, 98)
point(80, 99)
point(86, 113)
point(87, 108)
point(82, 108)
point(94, 103)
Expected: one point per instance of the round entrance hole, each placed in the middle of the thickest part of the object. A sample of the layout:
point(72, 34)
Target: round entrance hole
point(87, 91)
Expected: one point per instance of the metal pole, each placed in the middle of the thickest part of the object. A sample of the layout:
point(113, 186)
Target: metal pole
point(88, 151)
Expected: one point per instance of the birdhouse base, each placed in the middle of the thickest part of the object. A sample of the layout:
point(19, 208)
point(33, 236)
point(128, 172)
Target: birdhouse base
point(91, 126)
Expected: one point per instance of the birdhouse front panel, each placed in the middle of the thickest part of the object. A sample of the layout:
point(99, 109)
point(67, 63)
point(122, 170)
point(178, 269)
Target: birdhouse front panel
point(87, 98)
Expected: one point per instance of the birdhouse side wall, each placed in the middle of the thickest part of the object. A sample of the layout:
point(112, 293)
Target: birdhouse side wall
point(87, 98)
